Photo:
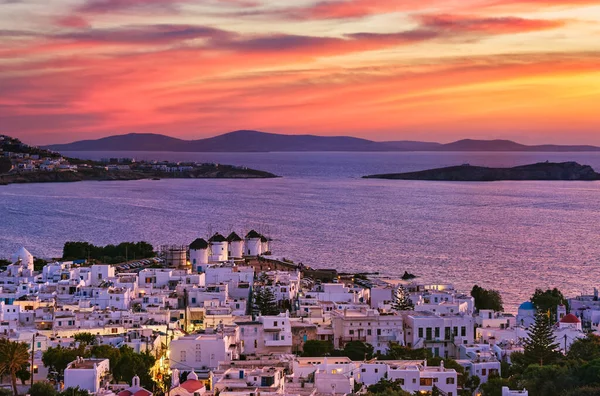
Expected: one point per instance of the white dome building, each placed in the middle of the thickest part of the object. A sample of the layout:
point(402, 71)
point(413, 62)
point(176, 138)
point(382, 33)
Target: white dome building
point(526, 315)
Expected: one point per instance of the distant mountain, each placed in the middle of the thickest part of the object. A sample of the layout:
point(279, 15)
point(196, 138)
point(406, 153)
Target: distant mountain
point(255, 141)
point(508, 145)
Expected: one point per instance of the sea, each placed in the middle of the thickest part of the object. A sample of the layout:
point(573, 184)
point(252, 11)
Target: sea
point(510, 236)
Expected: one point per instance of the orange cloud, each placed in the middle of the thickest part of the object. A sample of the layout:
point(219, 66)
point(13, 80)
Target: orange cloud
point(487, 25)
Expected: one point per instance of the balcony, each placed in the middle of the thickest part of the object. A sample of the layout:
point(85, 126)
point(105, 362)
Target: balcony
point(353, 338)
point(387, 338)
point(279, 343)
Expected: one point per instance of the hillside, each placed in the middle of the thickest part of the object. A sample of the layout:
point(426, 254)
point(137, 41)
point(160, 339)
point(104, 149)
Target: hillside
point(540, 171)
point(255, 141)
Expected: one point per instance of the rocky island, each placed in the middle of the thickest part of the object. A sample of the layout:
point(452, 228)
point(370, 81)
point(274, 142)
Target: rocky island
point(20, 163)
point(468, 173)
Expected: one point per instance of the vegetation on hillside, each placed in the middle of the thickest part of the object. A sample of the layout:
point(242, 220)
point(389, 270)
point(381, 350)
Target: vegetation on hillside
point(110, 254)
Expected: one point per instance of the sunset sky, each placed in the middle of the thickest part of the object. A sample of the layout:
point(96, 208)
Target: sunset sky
point(432, 70)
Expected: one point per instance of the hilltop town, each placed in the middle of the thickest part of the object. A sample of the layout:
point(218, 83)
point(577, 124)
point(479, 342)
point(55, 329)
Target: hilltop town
point(21, 163)
point(224, 315)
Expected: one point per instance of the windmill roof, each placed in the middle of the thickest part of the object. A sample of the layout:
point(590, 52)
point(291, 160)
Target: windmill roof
point(233, 237)
point(253, 234)
point(199, 244)
point(217, 238)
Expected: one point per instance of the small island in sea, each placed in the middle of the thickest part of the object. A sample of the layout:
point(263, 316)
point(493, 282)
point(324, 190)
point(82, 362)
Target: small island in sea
point(469, 173)
point(21, 163)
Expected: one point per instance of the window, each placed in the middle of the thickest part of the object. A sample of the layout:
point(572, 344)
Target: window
point(363, 370)
point(378, 331)
point(193, 300)
point(275, 324)
point(426, 381)
point(376, 370)
point(420, 332)
point(351, 332)
point(368, 331)
point(484, 372)
point(198, 356)
point(182, 356)
point(455, 330)
point(428, 333)
point(447, 333)
point(450, 381)
point(463, 331)
point(437, 332)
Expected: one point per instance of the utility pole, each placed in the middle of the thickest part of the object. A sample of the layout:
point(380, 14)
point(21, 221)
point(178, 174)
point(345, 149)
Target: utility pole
point(565, 344)
point(32, 355)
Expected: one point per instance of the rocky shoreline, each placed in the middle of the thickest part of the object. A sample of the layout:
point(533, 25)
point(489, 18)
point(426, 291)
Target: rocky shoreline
point(220, 172)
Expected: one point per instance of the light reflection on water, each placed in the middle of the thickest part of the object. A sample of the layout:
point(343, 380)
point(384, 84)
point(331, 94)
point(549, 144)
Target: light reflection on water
point(512, 236)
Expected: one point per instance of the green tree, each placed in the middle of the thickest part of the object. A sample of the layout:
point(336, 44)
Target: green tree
point(387, 387)
point(357, 350)
point(584, 391)
point(265, 302)
point(86, 338)
point(585, 349)
point(541, 348)
point(547, 380)
point(77, 391)
point(24, 374)
point(14, 356)
point(5, 392)
point(125, 363)
point(5, 165)
point(317, 348)
point(42, 389)
point(402, 300)
point(548, 301)
point(487, 299)
point(400, 352)
point(589, 373)
point(493, 386)
point(58, 358)
point(38, 264)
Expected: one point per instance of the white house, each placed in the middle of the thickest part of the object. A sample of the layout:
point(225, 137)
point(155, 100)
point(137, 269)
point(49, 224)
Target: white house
point(204, 351)
point(87, 374)
point(366, 325)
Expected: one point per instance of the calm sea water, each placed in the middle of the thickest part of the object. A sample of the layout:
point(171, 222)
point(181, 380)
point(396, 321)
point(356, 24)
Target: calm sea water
point(511, 236)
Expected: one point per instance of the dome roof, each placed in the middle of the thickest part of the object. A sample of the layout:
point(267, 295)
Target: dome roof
point(527, 305)
point(23, 255)
point(570, 318)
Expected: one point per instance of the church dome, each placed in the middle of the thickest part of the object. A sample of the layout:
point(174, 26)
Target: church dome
point(570, 318)
point(527, 305)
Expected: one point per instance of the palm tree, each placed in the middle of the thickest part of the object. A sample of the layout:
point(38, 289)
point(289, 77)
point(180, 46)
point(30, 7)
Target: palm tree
point(13, 357)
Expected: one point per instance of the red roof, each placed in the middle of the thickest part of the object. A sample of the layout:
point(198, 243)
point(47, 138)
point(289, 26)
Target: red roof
point(570, 318)
point(192, 385)
point(124, 393)
point(142, 392)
